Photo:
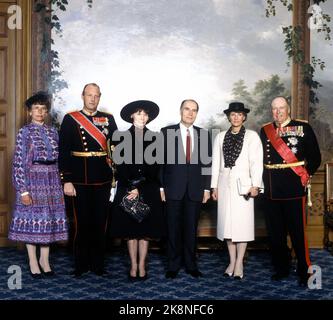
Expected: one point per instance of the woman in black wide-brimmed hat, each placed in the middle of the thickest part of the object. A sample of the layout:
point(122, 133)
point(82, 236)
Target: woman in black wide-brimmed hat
point(137, 178)
point(237, 167)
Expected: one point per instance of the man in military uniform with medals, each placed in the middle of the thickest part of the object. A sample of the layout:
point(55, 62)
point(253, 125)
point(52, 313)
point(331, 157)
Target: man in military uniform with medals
point(291, 157)
point(85, 171)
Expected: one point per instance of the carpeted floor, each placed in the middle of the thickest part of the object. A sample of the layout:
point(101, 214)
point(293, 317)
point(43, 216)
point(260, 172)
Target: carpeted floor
point(256, 284)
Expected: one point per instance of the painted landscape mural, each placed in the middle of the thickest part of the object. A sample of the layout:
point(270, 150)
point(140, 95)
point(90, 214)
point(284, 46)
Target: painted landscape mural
point(214, 51)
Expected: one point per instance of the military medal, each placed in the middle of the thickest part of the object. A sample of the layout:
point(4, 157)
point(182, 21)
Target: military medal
point(101, 121)
point(105, 131)
point(293, 141)
point(294, 131)
point(300, 132)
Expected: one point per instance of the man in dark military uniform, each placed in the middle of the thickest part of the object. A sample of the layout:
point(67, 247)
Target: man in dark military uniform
point(87, 176)
point(291, 157)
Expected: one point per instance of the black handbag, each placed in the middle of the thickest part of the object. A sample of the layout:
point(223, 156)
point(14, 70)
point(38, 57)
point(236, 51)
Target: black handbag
point(136, 208)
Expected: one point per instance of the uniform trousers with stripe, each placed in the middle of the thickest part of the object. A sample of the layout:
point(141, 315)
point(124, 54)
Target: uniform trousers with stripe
point(91, 207)
point(283, 216)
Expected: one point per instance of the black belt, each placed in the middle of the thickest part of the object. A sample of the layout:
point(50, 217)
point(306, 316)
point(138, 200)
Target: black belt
point(47, 163)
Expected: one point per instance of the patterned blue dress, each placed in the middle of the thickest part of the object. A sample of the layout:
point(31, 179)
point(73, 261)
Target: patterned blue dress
point(35, 170)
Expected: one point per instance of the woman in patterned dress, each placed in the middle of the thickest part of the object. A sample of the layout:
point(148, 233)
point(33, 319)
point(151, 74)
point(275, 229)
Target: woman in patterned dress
point(39, 212)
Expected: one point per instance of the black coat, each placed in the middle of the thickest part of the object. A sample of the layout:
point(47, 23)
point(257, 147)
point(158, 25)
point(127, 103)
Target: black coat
point(121, 224)
point(177, 177)
point(285, 183)
point(81, 170)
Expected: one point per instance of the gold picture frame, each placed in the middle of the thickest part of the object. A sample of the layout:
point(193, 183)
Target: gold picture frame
point(329, 183)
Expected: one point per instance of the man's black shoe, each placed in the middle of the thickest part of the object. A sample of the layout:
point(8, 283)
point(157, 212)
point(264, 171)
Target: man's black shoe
point(303, 281)
point(279, 276)
point(77, 273)
point(100, 272)
point(171, 274)
point(194, 273)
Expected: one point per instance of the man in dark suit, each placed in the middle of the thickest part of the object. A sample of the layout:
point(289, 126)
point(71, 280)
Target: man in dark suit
point(87, 176)
point(185, 180)
point(291, 157)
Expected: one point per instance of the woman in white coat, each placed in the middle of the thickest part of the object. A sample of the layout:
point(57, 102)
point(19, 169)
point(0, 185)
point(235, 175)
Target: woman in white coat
point(237, 168)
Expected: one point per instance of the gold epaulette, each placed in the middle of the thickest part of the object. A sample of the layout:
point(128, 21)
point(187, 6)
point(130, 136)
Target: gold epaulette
point(109, 113)
point(301, 120)
point(264, 125)
point(74, 110)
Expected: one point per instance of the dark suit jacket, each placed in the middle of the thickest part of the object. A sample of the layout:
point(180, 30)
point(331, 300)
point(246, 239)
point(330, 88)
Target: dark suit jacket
point(177, 177)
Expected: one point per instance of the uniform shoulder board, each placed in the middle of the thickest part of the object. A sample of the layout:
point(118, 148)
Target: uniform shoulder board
point(264, 125)
point(74, 110)
point(302, 120)
point(108, 113)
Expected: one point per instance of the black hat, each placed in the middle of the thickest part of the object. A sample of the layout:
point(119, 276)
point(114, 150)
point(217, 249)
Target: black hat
point(236, 107)
point(41, 97)
point(150, 107)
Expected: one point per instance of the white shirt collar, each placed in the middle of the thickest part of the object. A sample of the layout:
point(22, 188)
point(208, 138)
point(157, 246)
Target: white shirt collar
point(183, 128)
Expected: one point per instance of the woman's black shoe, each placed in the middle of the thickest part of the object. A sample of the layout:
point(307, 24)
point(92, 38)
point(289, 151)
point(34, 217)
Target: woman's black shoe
point(131, 278)
point(47, 273)
point(35, 275)
point(239, 277)
point(143, 278)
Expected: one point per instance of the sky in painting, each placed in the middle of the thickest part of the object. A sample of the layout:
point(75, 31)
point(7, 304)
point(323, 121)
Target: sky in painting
point(324, 50)
point(169, 50)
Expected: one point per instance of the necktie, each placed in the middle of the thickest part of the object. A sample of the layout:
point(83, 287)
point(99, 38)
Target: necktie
point(188, 146)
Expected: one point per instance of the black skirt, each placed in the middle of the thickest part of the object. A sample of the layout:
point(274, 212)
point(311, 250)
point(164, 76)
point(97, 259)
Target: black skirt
point(122, 225)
